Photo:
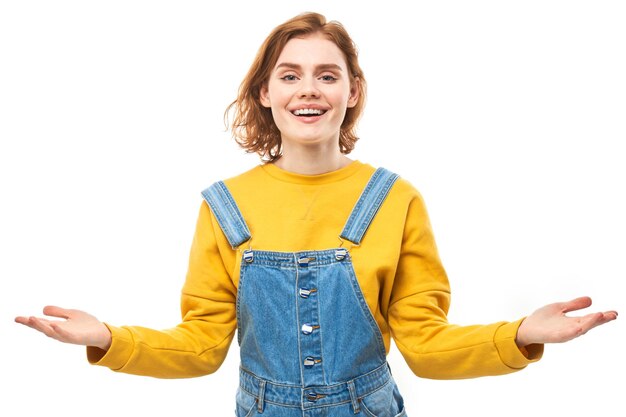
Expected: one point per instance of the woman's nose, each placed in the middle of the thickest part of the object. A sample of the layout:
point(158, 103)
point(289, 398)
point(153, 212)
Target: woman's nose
point(308, 88)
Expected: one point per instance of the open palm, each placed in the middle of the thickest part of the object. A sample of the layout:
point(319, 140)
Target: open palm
point(550, 324)
point(77, 327)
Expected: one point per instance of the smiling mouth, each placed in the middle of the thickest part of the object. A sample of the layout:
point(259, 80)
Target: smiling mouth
point(308, 112)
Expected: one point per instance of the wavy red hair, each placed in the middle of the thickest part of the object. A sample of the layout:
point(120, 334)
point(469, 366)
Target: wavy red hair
point(252, 124)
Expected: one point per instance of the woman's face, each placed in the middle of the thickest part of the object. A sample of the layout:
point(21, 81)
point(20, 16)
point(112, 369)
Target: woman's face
point(309, 91)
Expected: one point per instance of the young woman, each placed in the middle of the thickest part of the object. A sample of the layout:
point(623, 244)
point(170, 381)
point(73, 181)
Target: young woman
point(316, 259)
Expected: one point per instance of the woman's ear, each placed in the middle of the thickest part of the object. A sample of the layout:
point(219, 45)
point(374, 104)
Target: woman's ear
point(265, 96)
point(355, 92)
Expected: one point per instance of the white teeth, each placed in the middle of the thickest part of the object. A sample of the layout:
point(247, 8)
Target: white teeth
point(299, 112)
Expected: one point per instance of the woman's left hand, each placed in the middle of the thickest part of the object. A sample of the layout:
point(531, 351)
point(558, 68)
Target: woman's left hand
point(549, 324)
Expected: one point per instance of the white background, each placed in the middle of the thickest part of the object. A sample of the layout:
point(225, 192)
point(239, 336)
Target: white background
point(508, 116)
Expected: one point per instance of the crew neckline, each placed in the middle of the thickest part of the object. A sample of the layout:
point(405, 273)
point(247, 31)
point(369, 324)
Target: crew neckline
point(325, 178)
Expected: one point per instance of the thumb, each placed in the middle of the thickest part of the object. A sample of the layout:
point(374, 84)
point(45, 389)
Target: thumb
point(576, 304)
point(55, 311)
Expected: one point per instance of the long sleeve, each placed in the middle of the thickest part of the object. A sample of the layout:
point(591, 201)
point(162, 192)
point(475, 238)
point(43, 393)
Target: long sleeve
point(432, 347)
point(198, 345)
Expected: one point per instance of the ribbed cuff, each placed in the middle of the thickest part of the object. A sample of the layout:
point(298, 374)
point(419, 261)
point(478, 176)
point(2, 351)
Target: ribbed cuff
point(510, 353)
point(118, 354)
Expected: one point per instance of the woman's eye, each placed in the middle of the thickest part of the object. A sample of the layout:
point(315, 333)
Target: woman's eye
point(288, 77)
point(328, 78)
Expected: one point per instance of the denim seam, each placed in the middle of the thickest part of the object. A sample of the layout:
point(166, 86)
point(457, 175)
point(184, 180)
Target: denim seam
point(366, 409)
point(359, 220)
point(365, 310)
point(364, 216)
point(227, 214)
point(319, 320)
point(376, 390)
point(358, 204)
point(252, 409)
point(374, 208)
point(300, 366)
point(368, 386)
point(338, 384)
point(234, 211)
point(240, 286)
point(312, 407)
point(274, 383)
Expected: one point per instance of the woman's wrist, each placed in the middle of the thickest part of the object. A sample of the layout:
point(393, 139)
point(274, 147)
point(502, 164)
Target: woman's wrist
point(104, 338)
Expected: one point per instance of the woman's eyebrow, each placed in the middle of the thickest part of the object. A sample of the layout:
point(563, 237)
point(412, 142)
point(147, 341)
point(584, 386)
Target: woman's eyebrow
point(319, 67)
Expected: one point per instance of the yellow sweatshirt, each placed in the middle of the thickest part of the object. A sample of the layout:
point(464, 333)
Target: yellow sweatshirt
point(397, 266)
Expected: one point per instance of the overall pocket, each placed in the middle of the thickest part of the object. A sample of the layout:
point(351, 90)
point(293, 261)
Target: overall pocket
point(384, 402)
point(245, 403)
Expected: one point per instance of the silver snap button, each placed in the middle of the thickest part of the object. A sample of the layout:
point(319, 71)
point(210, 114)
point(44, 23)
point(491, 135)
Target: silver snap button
point(310, 361)
point(308, 329)
point(314, 396)
point(305, 293)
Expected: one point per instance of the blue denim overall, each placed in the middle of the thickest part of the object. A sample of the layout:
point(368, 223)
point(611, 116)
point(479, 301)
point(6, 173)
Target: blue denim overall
point(309, 344)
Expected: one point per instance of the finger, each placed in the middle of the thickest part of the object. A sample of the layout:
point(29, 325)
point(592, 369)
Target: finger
point(575, 327)
point(25, 321)
point(601, 318)
point(576, 304)
point(55, 311)
point(42, 325)
point(591, 321)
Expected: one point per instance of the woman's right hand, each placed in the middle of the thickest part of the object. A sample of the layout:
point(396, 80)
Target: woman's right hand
point(78, 327)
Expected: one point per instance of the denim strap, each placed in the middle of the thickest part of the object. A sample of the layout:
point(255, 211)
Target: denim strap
point(366, 208)
point(227, 214)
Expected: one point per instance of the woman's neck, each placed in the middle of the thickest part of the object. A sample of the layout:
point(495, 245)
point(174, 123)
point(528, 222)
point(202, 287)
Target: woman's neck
point(308, 161)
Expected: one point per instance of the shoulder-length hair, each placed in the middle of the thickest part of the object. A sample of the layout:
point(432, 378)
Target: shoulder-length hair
point(252, 124)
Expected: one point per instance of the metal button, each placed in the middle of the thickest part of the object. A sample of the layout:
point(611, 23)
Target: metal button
point(341, 253)
point(309, 361)
point(248, 255)
point(305, 293)
point(304, 261)
point(314, 396)
point(308, 329)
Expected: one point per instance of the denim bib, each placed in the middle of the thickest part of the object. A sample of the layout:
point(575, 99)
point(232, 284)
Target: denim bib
point(309, 344)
